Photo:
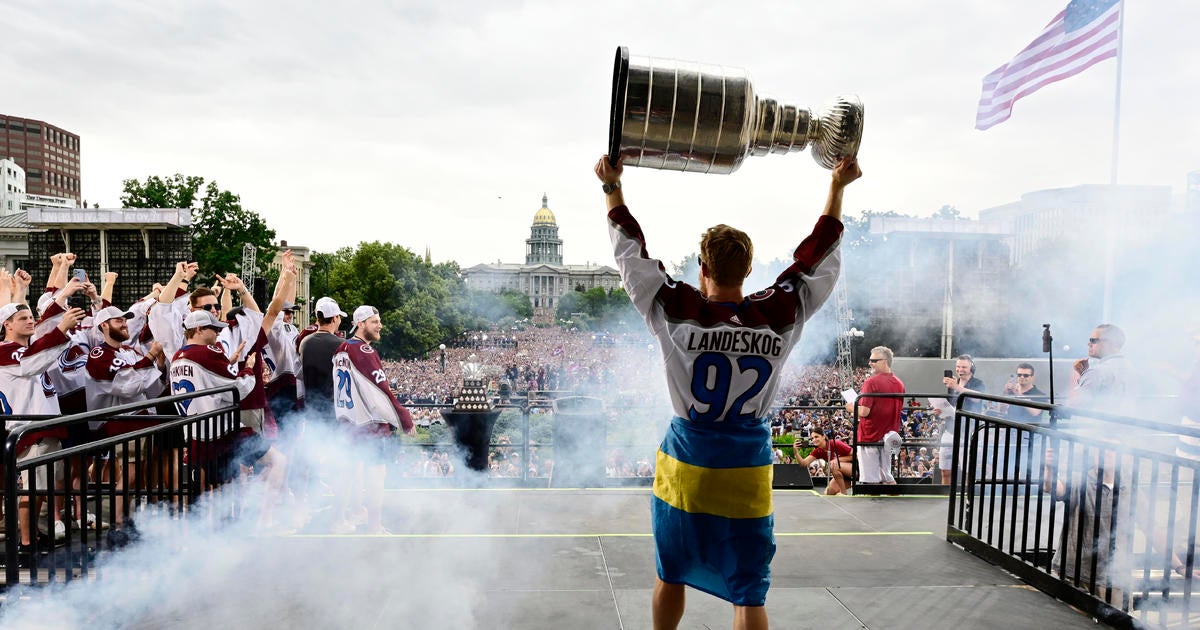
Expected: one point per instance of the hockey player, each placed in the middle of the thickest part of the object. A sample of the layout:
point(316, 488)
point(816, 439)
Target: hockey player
point(367, 408)
point(724, 352)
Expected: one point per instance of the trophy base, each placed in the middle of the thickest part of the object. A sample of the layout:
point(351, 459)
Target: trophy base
point(616, 112)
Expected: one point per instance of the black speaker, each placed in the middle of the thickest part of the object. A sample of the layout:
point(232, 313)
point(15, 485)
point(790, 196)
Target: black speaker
point(792, 476)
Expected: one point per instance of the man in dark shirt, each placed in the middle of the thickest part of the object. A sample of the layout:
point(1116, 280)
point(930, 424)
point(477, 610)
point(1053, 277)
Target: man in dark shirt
point(316, 360)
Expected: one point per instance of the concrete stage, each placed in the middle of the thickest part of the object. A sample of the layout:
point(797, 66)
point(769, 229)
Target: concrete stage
point(584, 559)
point(542, 559)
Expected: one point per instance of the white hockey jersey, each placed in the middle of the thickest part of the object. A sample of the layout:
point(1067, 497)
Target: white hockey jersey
point(119, 376)
point(360, 388)
point(282, 357)
point(723, 360)
point(25, 388)
point(166, 322)
point(195, 368)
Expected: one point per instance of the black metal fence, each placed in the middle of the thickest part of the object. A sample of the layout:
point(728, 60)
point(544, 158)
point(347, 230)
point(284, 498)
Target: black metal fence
point(1094, 508)
point(66, 501)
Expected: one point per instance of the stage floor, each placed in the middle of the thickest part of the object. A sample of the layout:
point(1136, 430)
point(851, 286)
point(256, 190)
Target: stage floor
point(555, 559)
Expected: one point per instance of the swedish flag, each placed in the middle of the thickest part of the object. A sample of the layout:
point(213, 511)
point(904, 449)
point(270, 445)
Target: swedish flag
point(711, 510)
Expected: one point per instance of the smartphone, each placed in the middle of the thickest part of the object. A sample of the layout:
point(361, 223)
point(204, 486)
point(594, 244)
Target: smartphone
point(948, 373)
point(80, 275)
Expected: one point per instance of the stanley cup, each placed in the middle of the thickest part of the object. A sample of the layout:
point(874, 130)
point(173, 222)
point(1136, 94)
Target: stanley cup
point(684, 116)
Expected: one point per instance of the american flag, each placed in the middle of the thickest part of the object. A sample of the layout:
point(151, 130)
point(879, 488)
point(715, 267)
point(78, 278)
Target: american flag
point(1083, 34)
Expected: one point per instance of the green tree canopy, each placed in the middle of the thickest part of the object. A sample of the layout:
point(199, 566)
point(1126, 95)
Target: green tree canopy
point(220, 225)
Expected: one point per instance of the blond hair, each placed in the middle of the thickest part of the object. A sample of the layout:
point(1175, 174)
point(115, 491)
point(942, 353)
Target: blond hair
point(727, 252)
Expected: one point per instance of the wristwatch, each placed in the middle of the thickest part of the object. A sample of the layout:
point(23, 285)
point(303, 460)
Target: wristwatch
point(609, 188)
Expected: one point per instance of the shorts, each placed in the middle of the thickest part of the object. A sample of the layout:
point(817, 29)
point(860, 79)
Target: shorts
point(373, 442)
point(41, 447)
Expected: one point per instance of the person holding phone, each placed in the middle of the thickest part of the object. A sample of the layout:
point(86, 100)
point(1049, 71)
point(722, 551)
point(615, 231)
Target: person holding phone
point(962, 379)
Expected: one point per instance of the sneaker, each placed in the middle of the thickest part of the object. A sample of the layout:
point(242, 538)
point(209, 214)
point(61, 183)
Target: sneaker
point(60, 531)
point(342, 527)
point(382, 531)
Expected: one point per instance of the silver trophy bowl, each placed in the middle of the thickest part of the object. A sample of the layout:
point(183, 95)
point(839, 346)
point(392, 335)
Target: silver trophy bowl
point(683, 116)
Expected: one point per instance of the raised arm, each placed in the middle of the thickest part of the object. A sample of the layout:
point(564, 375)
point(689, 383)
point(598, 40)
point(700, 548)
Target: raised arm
point(106, 292)
point(610, 176)
point(284, 287)
point(234, 284)
point(845, 172)
point(184, 272)
point(6, 286)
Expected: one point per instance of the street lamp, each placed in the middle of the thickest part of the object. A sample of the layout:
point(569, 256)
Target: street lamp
point(442, 347)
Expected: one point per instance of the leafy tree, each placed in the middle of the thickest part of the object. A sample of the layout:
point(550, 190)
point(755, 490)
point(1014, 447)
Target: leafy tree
point(220, 225)
point(947, 212)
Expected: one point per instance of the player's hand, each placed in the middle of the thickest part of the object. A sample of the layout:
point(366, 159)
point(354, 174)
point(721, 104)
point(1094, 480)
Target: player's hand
point(71, 319)
point(608, 173)
point(846, 171)
point(237, 354)
point(22, 278)
point(1080, 366)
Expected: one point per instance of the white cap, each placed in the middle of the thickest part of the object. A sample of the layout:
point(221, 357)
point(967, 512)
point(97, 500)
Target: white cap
point(7, 311)
point(363, 313)
point(892, 441)
point(202, 319)
point(327, 308)
point(110, 312)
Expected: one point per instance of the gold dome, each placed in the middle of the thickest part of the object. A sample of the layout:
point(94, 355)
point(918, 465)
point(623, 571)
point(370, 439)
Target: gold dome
point(544, 216)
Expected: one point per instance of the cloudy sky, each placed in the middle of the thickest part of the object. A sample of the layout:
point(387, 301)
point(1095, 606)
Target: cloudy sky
point(441, 124)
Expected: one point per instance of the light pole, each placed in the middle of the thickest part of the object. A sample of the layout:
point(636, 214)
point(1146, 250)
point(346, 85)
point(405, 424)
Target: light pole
point(442, 347)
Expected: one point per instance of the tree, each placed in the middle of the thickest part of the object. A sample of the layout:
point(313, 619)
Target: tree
point(946, 212)
point(220, 225)
point(421, 305)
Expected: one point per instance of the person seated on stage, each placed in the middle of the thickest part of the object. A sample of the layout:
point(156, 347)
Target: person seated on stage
point(839, 455)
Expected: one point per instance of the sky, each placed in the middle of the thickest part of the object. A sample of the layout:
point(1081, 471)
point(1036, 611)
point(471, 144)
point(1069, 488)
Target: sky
point(442, 124)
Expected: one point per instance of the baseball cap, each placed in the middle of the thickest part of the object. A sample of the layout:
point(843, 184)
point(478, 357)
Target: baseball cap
point(202, 319)
point(8, 310)
point(363, 313)
point(288, 306)
point(327, 308)
point(892, 441)
point(110, 312)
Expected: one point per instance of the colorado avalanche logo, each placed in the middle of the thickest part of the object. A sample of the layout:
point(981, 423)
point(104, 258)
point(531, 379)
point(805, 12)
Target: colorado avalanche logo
point(97, 352)
point(47, 385)
point(73, 358)
point(762, 295)
point(366, 349)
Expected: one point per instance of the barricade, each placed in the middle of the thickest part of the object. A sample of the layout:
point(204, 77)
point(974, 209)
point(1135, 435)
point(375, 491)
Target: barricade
point(1093, 508)
point(151, 447)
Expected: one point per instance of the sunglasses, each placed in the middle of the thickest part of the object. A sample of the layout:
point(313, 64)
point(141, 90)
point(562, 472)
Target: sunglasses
point(874, 360)
point(210, 307)
point(1024, 376)
point(1095, 340)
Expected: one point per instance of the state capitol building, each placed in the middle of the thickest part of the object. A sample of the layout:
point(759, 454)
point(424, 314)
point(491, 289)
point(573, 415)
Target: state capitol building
point(543, 277)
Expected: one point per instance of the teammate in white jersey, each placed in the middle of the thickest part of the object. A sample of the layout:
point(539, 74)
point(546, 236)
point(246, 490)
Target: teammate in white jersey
point(366, 406)
point(25, 390)
point(724, 352)
point(201, 364)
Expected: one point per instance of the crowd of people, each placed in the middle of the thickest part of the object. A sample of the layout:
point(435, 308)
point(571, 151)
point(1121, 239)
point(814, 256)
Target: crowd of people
point(73, 350)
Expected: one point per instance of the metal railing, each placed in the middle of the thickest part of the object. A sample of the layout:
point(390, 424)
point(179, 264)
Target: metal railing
point(1093, 508)
point(111, 478)
point(934, 486)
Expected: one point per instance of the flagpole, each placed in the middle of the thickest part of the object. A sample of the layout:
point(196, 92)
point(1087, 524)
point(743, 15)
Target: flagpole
point(1112, 178)
point(1117, 106)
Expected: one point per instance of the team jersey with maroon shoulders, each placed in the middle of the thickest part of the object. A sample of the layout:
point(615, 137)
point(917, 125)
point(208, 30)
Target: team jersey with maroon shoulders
point(69, 374)
point(724, 360)
point(246, 326)
point(24, 387)
point(360, 388)
point(120, 376)
point(195, 368)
